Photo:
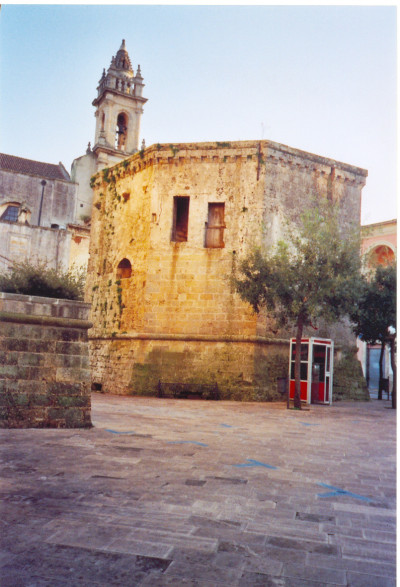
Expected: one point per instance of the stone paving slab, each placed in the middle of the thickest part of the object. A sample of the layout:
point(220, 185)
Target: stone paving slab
point(187, 492)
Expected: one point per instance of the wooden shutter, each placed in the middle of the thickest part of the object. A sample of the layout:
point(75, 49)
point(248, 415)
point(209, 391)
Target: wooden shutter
point(215, 226)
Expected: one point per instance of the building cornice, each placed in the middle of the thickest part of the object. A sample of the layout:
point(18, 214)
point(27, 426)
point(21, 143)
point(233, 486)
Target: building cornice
point(130, 97)
point(260, 152)
point(110, 151)
point(366, 227)
point(192, 338)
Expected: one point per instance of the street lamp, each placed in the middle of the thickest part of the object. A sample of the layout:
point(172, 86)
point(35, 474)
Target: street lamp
point(43, 183)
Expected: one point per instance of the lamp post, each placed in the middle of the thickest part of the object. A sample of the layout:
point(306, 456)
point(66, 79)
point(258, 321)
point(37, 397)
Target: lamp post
point(43, 183)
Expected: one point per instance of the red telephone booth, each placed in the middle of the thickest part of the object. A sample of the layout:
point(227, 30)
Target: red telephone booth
point(316, 370)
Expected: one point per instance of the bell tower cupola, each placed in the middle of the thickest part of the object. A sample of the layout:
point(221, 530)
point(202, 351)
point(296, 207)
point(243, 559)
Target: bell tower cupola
point(119, 107)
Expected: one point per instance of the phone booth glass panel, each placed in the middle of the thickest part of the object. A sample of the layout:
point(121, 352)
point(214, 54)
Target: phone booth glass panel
point(316, 364)
point(304, 355)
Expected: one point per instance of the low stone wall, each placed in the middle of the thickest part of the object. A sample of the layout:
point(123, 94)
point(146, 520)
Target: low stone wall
point(244, 369)
point(44, 363)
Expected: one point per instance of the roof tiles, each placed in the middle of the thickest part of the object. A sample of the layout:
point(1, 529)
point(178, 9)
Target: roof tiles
point(45, 170)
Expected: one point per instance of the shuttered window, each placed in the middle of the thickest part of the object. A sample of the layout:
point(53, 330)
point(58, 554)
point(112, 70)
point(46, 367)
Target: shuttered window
point(215, 226)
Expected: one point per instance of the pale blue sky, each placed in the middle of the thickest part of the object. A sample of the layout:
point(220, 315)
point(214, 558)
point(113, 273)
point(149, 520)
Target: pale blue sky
point(317, 78)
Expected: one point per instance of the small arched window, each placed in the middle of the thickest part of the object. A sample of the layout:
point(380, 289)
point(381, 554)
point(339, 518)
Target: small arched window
point(124, 269)
point(121, 131)
point(11, 213)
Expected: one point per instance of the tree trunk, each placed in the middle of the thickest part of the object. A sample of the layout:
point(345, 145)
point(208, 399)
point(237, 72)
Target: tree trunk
point(381, 369)
point(299, 334)
point(394, 369)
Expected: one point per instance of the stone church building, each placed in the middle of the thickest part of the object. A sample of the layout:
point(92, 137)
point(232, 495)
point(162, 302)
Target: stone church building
point(38, 216)
point(119, 107)
point(44, 211)
point(169, 224)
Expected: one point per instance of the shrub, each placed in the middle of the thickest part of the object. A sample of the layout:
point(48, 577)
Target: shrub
point(37, 279)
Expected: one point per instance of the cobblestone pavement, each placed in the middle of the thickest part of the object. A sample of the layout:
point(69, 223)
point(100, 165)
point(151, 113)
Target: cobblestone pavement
point(188, 492)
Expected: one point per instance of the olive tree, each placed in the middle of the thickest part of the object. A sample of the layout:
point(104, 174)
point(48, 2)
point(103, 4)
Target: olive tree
point(312, 274)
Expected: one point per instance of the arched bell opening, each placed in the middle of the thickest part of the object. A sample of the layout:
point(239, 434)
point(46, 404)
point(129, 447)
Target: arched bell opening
point(121, 131)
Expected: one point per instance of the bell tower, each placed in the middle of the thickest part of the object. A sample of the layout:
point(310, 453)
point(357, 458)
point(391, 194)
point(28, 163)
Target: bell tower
point(119, 107)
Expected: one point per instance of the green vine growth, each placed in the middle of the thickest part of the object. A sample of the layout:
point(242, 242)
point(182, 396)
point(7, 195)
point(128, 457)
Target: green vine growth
point(106, 173)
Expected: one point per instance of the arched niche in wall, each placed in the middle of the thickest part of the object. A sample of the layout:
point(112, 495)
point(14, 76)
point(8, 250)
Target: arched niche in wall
point(124, 269)
point(380, 255)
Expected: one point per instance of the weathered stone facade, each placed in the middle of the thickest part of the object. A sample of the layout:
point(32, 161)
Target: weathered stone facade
point(46, 190)
point(159, 266)
point(44, 370)
point(22, 242)
point(40, 219)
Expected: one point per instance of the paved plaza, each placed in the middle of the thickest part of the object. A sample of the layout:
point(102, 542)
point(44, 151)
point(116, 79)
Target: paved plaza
point(190, 492)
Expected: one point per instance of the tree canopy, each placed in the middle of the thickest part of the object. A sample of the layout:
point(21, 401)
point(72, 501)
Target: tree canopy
point(312, 274)
point(374, 316)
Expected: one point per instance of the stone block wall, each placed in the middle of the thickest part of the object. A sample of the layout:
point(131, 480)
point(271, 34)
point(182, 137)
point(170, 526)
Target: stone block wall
point(44, 363)
point(174, 314)
point(245, 370)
